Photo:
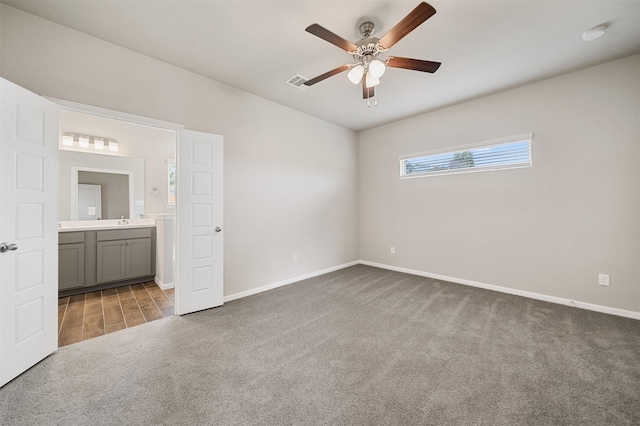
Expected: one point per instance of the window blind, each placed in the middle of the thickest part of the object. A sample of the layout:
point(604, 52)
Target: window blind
point(505, 155)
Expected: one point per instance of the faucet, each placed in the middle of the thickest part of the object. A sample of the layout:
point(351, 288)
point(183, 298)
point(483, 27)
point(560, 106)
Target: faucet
point(123, 221)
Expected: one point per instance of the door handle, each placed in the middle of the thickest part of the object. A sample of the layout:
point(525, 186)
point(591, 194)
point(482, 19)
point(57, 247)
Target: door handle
point(218, 229)
point(4, 247)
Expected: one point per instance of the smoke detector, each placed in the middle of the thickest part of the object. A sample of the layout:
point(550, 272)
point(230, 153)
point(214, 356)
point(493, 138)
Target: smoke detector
point(594, 33)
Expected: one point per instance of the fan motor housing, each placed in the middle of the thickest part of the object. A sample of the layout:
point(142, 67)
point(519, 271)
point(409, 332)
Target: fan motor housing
point(367, 47)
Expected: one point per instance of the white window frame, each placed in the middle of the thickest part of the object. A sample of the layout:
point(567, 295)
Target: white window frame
point(461, 148)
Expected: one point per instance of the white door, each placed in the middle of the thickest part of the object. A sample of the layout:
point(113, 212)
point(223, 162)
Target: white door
point(28, 229)
point(199, 254)
point(89, 202)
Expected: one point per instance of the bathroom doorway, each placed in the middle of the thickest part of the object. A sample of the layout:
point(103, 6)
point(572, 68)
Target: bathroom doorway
point(31, 257)
point(126, 166)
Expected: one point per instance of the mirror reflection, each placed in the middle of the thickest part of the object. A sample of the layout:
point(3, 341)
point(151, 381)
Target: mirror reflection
point(99, 187)
point(102, 196)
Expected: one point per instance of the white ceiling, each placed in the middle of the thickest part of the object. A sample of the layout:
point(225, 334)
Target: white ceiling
point(484, 46)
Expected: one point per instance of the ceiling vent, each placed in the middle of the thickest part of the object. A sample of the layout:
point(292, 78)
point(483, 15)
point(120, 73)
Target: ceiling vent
point(298, 81)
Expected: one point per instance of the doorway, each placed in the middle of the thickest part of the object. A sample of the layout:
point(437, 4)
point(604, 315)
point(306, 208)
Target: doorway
point(30, 232)
point(113, 191)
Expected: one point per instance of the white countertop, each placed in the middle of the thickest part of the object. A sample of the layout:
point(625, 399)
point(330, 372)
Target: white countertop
point(101, 225)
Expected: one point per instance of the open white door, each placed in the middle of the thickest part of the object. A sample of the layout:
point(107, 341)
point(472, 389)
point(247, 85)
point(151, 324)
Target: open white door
point(28, 229)
point(199, 254)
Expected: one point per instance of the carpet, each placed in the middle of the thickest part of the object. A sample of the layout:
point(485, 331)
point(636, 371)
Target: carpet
point(358, 346)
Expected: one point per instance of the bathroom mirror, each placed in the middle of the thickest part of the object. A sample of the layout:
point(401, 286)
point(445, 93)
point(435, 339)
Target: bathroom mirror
point(102, 194)
point(120, 181)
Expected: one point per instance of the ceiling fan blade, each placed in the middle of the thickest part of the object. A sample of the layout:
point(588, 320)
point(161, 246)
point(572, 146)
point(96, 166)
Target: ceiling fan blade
point(367, 92)
point(413, 64)
point(327, 74)
point(332, 38)
point(410, 22)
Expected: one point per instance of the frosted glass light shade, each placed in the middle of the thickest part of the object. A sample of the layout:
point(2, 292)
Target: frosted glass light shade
point(67, 140)
point(355, 75)
point(371, 81)
point(113, 145)
point(377, 68)
point(98, 143)
point(83, 141)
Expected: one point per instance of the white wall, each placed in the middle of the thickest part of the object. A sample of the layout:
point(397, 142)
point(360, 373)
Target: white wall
point(290, 179)
point(548, 229)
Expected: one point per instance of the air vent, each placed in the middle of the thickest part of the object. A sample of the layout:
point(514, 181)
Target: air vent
point(298, 81)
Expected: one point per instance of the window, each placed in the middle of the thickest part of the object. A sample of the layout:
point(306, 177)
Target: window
point(171, 174)
point(506, 153)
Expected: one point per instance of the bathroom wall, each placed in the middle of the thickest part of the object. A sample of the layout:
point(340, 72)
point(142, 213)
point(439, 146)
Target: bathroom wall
point(155, 145)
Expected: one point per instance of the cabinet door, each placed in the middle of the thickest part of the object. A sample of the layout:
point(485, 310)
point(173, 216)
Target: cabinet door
point(139, 257)
point(111, 261)
point(70, 266)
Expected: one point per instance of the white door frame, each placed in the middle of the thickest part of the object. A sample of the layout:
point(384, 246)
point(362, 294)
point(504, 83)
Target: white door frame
point(145, 121)
point(135, 119)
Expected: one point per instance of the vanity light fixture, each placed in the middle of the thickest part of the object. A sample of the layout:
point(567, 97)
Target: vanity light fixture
point(98, 143)
point(83, 141)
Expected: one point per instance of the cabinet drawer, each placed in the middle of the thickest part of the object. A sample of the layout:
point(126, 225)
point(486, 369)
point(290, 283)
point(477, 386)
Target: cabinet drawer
point(124, 234)
point(70, 237)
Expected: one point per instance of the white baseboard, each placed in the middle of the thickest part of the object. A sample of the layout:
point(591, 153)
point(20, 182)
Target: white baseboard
point(251, 292)
point(531, 295)
point(162, 285)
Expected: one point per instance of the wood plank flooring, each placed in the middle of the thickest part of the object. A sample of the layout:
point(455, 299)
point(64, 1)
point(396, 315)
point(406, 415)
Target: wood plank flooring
point(94, 314)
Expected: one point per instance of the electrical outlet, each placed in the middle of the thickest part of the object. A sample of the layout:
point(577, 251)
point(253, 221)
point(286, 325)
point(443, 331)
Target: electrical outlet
point(295, 258)
point(603, 279)
point(392, 250)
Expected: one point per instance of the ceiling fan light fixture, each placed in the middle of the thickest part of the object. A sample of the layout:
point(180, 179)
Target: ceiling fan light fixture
point(356, 73)
point(377, 68)
point(371, 81)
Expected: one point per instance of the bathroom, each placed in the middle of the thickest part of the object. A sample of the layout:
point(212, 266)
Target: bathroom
point(116, 212)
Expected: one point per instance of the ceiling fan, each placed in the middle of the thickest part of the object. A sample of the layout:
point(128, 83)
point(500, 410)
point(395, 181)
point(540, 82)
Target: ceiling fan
point(368, 67)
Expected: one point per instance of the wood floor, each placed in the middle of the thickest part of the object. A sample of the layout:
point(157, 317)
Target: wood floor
point(94, 314)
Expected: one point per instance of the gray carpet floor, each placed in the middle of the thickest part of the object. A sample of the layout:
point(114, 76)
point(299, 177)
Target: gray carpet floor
point(359, 346)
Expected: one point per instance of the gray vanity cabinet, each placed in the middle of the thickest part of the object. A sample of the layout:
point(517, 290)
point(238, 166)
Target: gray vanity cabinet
point(71, 260)
point(104, 259)
point(123, 254)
